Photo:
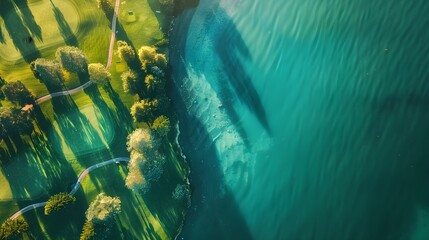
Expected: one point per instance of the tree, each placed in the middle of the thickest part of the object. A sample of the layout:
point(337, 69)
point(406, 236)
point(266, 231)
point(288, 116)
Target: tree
point(161, 125)
point(48, 72)
point(99, 216)
point(99, 74)
point(12, 229)
point(131, 82)
point(58, 202)
point(160, 61)
point(155, 86)
point(147, 56)
point(103, 208)
point(128, 54)
point(135, 179)
point(144, 110)
point(16, 92)
point(72, 59)
point(142, 140)
point(146, 163)
point(88, 231)
point(13, 122)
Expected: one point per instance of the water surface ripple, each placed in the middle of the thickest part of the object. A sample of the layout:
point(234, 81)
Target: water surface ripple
point(305, 119)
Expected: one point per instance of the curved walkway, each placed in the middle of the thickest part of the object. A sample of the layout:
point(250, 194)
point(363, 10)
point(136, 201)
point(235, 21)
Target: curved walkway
point(75, 187)
point(109, 62)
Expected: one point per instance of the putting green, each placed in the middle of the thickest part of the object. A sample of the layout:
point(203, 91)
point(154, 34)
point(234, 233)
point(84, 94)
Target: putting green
point(52, 24)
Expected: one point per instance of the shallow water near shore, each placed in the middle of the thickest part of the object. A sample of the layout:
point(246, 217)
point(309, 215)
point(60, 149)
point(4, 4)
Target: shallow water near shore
point(304, 119)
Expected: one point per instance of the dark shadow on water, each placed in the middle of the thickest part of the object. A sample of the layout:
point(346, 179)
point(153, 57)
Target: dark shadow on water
point(214, 213)
point(18, 32)
point(66, 32)
point(230, 47)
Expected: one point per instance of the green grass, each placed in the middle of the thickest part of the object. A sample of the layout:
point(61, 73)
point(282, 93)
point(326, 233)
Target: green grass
point(75, 132)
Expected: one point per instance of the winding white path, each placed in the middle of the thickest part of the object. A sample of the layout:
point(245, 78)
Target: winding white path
point(109, 62)
point(70, 92)
point(75, 187)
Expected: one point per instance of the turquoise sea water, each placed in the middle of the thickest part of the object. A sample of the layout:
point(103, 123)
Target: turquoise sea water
point(304, 119)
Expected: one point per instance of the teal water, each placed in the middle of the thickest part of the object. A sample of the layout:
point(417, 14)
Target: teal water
point(304, 119)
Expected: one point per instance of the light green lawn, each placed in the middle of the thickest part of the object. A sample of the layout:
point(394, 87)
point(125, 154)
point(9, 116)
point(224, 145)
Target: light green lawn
point(87, 128)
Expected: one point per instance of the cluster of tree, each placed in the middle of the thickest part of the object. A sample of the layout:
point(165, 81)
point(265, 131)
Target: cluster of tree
point(58, 202)
point(70, 59)
point(100, 216)
point(146, 162)
point(145, 78)
point(14, 122)
point(13, 229)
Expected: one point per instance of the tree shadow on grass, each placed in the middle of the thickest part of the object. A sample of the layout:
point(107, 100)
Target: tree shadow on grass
point(163, 18)
point(19, 33)
point(28, 18)
point(79, 135)
point(133, 222)
point(65, 30)
point(160, 199)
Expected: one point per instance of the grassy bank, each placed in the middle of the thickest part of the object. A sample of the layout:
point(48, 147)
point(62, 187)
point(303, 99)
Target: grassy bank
point(77, 131)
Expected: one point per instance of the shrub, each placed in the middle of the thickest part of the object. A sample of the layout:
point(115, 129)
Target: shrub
point(13, 228)
point(58, 202)
point(72, 59)
point(161, 125)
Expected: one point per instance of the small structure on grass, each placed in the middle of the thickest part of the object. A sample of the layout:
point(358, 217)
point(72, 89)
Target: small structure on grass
point(131, 17)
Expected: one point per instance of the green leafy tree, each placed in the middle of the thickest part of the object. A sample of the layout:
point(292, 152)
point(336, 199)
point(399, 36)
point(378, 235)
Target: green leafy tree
point(147, 57)
point(146, 163)
point(99, 74)
point(155, 86)
point(142, 140)
point(16, 92)
point(145, 110)
point(72, 59)
point(99, 217)
point(128, 54)
point(88, 231)
point(14, 122)
point(48, 72)
point(58, 202)
point(161, 125)
point(103, 208)
point(13, 229)
point(160, 61)
point(132, 83)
